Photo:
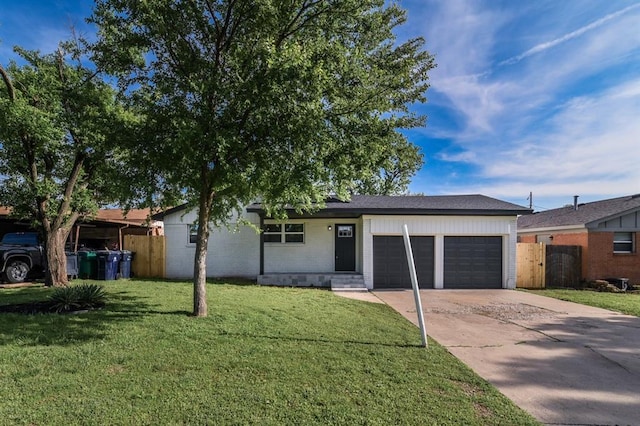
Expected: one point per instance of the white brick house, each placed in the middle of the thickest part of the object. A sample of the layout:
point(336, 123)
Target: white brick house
point(462, 241)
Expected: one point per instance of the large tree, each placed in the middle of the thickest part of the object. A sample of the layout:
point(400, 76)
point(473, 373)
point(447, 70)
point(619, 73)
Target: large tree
point(286, 101)
point(60, 157)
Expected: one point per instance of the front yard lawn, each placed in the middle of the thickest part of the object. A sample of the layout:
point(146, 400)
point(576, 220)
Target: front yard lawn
point(263, 356)
point(626, 303)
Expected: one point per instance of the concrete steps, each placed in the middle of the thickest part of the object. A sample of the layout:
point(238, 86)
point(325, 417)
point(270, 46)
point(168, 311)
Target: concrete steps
point(348, 283)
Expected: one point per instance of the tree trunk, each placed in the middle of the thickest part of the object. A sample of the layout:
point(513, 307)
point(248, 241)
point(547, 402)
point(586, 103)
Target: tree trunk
point(200, 263)
point(56, 271)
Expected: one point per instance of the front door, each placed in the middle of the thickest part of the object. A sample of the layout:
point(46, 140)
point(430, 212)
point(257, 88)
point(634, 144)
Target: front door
point(345, 247)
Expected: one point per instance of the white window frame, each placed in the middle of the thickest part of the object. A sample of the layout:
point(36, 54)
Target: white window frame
point(281, 230)
point(625, 238)
point(192, 233)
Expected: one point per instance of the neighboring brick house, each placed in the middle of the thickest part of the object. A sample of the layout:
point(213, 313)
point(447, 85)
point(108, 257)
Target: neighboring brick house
point(607, 231)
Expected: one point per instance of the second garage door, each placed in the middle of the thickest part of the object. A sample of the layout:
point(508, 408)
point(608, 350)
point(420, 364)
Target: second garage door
point(390, 268)
point(472, 262)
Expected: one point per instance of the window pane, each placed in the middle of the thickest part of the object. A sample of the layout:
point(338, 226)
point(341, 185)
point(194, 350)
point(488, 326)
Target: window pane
point(622, 237)
point(272, 238)
point(193, 233)
point(294, 227)
point(622, 242)
point(345, 231)
point(294, 238)
point(622, 247)
point(273, 228)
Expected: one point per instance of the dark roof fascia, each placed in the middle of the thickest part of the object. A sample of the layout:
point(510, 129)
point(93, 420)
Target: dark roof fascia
point(351, 213)
point(161, 215)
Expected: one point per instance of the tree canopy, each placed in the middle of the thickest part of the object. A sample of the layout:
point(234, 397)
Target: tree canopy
point(286, 101)
point(60, 155)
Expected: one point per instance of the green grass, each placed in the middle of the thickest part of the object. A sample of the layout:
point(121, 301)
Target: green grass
point(262, 356)
point(626, 303)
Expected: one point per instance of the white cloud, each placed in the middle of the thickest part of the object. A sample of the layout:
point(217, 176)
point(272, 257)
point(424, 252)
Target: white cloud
point(558, 119)
point(466, 156)
point(592, 148)
point(573, 34)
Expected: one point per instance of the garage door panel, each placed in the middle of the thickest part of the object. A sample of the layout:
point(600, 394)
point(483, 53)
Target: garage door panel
point(390, 268)
point(473, 262)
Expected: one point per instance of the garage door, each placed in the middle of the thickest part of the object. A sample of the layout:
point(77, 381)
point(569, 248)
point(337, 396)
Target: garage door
point(472, 262)
point(390, 268)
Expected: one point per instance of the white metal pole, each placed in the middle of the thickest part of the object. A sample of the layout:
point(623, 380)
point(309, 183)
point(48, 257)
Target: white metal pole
point(414, 283)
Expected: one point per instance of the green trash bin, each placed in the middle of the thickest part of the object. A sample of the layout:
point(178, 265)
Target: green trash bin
point(87, 265)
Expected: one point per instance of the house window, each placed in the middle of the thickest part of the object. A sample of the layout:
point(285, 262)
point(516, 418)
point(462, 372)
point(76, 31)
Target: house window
point(287, 233)
point(623, 242)
point(193, 233)
point(273, 233)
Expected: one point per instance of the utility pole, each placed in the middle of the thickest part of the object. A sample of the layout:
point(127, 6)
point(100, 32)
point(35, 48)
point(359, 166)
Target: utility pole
point(530, 200)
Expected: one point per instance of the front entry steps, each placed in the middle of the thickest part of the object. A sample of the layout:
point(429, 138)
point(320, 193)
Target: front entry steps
point(348, 283)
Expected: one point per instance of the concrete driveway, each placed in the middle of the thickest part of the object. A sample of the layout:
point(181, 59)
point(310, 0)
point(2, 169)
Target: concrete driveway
point(566, 364)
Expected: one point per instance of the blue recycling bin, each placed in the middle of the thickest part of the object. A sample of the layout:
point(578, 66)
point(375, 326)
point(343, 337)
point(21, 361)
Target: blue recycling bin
point(107, 264)
point(72, 264)
point(125, 263)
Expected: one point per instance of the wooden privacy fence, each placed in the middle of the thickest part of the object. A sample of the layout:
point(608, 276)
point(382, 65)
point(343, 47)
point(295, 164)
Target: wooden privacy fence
point(530, 261)
point(540, 265)
point(563, 266)
point(149, 257)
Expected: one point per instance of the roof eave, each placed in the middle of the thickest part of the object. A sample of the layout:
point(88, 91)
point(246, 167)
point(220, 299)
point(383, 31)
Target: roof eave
point(161, 215)
point(594, 223)
point(552, 228)
point(346, 212)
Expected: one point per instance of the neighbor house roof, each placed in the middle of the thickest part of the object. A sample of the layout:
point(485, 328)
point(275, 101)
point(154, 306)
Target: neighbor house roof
point(411, 205)
point(581, 215)
point(134, 217)
point(137, 217)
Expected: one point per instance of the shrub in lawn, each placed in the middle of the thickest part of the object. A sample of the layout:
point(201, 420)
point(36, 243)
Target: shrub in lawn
point(83, 296)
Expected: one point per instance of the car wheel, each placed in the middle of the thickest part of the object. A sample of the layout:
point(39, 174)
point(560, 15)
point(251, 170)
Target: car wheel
point(16, 271)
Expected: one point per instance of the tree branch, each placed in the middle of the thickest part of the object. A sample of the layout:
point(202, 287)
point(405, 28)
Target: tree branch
point(7, 82)
point(69, 189)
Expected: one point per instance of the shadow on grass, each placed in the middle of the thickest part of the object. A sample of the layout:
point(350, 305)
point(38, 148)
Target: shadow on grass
point(215, 281)
point(318, 340)
point(72, 328)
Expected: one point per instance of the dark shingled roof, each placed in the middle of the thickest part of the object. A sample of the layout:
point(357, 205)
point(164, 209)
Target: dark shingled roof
point(413, 204)
point(585, 214)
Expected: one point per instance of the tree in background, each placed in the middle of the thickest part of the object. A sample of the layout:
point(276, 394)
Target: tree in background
point(60, 156)
point(394, 172)
point(286, 101)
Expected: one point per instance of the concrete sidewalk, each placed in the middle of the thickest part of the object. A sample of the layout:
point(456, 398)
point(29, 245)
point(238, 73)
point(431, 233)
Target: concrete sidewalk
point(565, 363)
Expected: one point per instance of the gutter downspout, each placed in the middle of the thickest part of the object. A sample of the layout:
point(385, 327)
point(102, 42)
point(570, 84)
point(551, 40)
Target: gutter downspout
point(261, 245)
point(120, 236)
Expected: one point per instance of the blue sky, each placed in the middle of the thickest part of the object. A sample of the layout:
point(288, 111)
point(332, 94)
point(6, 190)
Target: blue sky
point(537, 96)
